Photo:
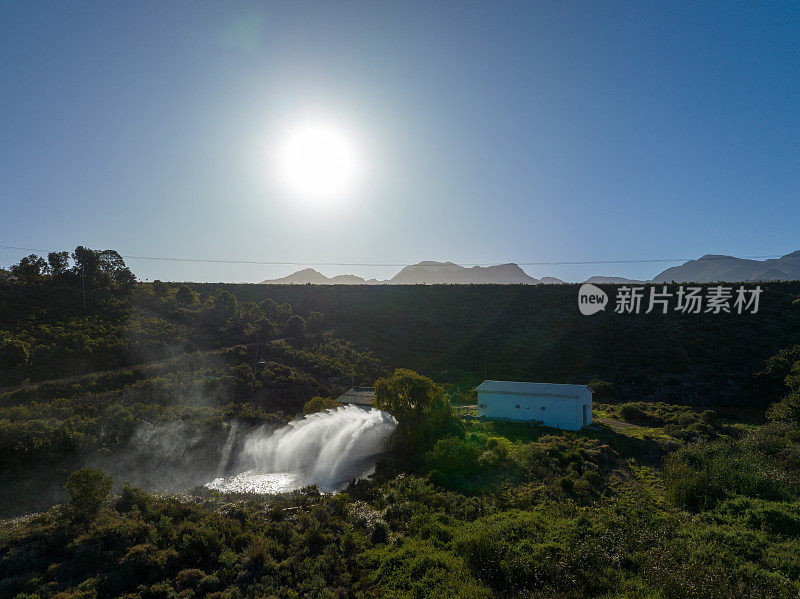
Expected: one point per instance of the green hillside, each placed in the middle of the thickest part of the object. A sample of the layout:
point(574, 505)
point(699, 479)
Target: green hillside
point(537, 333)
point(115, 414)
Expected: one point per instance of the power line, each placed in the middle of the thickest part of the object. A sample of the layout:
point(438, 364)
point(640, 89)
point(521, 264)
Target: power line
point(400, 265)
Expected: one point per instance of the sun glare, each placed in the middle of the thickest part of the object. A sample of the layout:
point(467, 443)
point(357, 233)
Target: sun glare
point(318, 162)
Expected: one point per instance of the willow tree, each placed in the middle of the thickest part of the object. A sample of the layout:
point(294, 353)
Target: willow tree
point(419, 406)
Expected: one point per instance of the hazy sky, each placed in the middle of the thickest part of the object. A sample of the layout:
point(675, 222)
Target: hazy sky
point(490, 132)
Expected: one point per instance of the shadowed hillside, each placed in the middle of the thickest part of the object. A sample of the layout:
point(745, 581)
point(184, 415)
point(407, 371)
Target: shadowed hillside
point(536, 332)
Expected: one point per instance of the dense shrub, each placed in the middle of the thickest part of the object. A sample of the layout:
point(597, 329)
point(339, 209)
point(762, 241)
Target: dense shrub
point(699, 477)
point(630, 412)
point(320, 404)
point(88, 490)
point(602, 391)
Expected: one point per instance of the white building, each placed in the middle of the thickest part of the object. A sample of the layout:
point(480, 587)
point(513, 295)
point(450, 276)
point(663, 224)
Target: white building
point(566, 407)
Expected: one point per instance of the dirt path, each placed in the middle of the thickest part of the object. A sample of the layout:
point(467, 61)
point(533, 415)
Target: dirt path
point(618, 425)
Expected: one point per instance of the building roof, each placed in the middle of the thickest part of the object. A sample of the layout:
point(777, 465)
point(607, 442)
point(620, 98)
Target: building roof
point(361, 396)
point(523, 388)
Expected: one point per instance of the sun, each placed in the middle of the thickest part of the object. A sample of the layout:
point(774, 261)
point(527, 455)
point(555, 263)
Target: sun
point(318, 162)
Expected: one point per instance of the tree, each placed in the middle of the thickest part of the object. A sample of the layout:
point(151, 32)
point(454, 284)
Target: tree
point(30, 269)
point(295, 326)
point(58, 262)
point(115, 273)
point(770, 383)
point(87, 264)
point(124, 280)
point(319, 404)
point(88, 490)
point(185, 295)
point(278, 313)
point(225, 305)
point(315, 321)
point(270, 308)
point(419, 406)
point(602, 391)
point(14, 353)
point(788, 409)
point(160, 288)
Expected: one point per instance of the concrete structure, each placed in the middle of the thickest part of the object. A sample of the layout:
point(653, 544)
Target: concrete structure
point(566, 407)
point(360, 396)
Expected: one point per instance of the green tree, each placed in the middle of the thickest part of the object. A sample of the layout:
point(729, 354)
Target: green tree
point(602, 391)
point(88, 490)
point(315, 321)
point(58, 263)
point(788, 409)
point(225, 305)
point(419, 406)
point(115, 274)
point(270, 308)
point(295, 326)
point(14, 353)
point(276, 312)
point(160, 288)
point(185, 295)
point(770, 383)
point(87, 264)
point(319, 404)
point(30, 269)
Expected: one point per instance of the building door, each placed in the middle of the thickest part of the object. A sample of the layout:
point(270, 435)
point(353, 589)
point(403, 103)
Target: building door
point(584, 414)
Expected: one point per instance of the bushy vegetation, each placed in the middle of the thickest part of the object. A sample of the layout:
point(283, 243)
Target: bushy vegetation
point(617, 528)
point(48, 331)
point(144, 356)
point(302, 545)
point(319, 404)
point(88, 490)
point(535, 332)
point(420, 407)
point(657, 499)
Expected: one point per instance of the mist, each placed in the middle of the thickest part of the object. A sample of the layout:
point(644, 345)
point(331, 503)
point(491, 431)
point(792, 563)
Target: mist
point(327, 449)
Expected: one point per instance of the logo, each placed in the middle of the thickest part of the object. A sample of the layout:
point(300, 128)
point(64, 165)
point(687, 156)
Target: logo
point(663, 299)
point(591, 299)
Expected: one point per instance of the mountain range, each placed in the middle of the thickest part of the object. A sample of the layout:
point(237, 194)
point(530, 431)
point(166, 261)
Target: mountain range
point(713, 267)
point(707, 269)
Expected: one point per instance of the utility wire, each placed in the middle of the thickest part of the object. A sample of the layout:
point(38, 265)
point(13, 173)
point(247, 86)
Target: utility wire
point(399, 265)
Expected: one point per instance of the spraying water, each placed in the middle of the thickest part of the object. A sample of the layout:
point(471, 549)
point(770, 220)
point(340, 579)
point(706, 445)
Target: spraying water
point(327, 449)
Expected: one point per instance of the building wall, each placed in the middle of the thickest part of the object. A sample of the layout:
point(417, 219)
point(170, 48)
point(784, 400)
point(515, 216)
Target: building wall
point(559, 412)
point(585, 398)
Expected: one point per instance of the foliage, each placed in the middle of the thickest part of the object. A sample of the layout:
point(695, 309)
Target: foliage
point(788, 409)
point(539, 533)
point(657, 500)
point(320, 404)
point(535, 332)
point(88, 490)
point(630, 412)
point(295, 326)
point(762, 465)
point(602, 391)
point(14, 353)
point(418, 405)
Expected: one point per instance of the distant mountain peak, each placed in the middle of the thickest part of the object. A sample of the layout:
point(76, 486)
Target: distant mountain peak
point(427, 272)
point(310, 276)
point(709, 268)
point(712, 268)
point(431, 273)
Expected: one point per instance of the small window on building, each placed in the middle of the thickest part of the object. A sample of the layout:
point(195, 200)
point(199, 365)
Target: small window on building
point(543, 407)
point(518, 406)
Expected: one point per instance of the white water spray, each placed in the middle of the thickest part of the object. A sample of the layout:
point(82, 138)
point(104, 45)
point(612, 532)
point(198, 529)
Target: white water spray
point(327, 449)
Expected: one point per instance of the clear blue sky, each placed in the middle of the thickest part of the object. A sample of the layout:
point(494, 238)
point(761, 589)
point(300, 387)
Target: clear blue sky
point(494, 132)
